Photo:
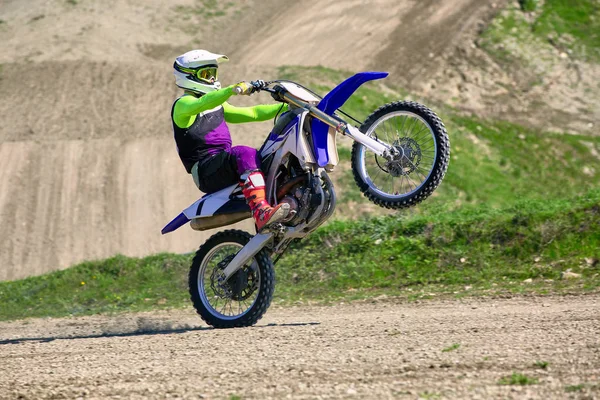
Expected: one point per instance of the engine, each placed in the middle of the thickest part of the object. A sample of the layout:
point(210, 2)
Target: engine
point(296, 193)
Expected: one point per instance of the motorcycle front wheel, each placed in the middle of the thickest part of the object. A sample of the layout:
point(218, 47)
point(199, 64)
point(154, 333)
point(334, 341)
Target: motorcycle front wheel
point(422, 153)
point(245, 297)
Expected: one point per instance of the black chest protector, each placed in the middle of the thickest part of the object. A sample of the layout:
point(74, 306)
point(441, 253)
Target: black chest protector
point(201, 139)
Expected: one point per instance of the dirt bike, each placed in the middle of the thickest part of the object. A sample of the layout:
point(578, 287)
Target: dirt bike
point(399, 157)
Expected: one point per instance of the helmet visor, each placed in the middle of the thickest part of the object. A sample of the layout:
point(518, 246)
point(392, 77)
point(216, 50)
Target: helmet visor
point(207, 74)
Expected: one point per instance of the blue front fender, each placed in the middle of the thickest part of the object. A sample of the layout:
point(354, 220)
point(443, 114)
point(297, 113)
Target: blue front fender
point(330, 103)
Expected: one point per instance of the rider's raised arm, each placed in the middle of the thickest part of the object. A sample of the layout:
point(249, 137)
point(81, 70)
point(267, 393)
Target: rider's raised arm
point(188, 106)
point(262, 112)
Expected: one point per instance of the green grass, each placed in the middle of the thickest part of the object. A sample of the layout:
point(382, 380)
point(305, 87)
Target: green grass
point(507, 35)
point(571, 26)
point(429, 395)
point(528, 5)
point(496, 162)
point(448, 349)
point(574, 388)
point(480, 248)
point(541, 364)
point(117, 283)
point(517, 379)
point(472, 251)
point(205, 9)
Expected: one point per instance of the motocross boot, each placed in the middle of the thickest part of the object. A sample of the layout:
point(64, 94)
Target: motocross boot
point(254, 191)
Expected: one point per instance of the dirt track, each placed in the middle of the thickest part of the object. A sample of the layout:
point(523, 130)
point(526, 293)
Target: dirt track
point(377, 350)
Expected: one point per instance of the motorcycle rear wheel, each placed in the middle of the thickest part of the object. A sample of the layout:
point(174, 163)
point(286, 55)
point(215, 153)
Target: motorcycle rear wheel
point(423, 153)
point(244, 299)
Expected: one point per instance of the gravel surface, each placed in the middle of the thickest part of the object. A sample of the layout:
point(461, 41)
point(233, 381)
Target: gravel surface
point(375, 349)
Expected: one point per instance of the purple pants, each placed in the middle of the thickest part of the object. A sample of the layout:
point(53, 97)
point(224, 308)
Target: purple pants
point(246, 158)
point(220, 140)
point(225, 166)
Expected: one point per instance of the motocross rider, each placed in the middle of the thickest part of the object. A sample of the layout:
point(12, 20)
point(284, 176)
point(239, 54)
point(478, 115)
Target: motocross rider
point(203, 140)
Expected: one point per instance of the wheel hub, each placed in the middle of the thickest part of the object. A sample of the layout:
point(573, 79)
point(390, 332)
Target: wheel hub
point(239, 286)
point(406, 159)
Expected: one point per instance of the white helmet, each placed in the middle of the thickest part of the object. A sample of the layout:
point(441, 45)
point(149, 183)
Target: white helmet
point(196, 70)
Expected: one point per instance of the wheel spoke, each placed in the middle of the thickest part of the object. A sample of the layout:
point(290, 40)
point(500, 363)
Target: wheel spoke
point(419, 173)
point(403, 122)
point(422, 174)
point(414, 122)
point(411, 181)
point(386, 133)
point(427, 134)
point(376, 174)
point(430, 147)
point(416, 135)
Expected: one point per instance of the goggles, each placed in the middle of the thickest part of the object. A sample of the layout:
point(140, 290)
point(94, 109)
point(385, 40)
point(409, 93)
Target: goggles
point(207, 74)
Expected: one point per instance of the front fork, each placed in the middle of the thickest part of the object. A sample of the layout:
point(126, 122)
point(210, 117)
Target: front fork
point(256, 244)
point(372, 144)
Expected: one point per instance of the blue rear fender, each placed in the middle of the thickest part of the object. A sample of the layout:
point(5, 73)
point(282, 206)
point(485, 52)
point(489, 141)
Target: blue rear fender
point(186, 216)
point(210, 205)
point(176, 223)
point(330, 103)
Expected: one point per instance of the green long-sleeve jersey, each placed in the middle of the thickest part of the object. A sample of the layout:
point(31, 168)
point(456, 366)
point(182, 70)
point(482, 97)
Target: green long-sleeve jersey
point(199, 123)
point(187, 107)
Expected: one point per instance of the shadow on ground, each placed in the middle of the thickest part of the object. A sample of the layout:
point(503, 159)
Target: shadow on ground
point(138, 332)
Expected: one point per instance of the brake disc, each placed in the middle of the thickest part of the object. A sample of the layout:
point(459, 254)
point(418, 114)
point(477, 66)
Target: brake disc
point(407, 158)
point(240, 286)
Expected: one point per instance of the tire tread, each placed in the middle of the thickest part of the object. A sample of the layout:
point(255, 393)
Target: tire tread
point(440, 164)
point(266, 289)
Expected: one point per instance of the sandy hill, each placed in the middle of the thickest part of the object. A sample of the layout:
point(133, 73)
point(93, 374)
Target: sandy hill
point(88, 167)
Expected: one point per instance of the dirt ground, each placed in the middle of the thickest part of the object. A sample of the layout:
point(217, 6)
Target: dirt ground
point(377, 349)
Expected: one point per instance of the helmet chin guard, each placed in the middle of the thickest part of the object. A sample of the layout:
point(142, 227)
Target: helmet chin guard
point(186, 68)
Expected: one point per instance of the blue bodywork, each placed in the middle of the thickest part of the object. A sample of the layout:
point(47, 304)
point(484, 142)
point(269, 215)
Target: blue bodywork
point(330, 103)
point(178, 222)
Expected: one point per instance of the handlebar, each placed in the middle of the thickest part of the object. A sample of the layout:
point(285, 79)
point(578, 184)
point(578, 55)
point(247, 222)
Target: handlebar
point(280, 93)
